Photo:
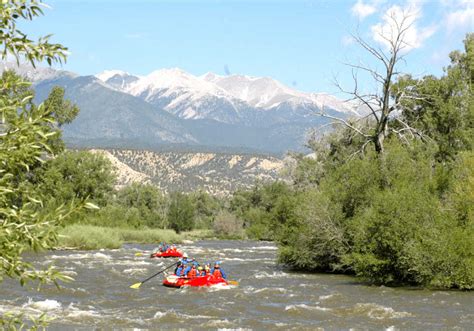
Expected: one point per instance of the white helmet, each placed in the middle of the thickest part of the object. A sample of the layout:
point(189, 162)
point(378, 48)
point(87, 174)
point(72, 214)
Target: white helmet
point(185, 255)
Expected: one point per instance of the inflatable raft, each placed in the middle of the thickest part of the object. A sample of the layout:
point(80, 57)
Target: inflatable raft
point(175, 281)
point(168, 253)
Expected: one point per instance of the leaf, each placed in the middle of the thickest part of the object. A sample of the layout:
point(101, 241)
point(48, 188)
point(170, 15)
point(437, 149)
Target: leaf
point(90, 205)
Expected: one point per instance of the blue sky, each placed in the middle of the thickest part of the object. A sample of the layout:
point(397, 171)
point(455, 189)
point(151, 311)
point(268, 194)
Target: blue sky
point(301, 43)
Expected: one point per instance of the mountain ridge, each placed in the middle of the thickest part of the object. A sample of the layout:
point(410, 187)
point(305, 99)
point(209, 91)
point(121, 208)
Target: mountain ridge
point(171, 107)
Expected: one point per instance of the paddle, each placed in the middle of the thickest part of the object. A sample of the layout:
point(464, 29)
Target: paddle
point(137, 285)
point(232, 282)
point(139, 254)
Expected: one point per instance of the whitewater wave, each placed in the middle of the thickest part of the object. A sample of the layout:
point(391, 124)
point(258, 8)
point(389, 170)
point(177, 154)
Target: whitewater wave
point(133, 271)
point(303, 306)
point(271, 289)
point(267, 248)
point(275, 274)
point(378, 312)
point(44, 305)
point(173, 313)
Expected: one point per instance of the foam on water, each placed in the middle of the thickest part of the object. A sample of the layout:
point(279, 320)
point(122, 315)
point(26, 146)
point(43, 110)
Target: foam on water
point(75, 313)
point(44, 305)
point(81, 256)
point(271, 289)
point(172, 312)
point(268, 248)
point(329, 296)
point(303, 306)
point(275, 274)
point(134, 271)
point(378, 312)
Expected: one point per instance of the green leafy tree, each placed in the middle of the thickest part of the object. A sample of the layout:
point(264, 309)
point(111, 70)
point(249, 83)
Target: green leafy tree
point(24, 141)
point(180, 212)
point(443, 108)
point(148, 200)
point(62, 111)
point(77, 175)
point(206, 208)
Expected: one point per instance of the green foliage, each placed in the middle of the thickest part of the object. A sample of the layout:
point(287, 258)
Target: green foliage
point(90, 237)
point(76, 175)
point(14, 42)
point(315, 239)
point(206, 208)
point(63, 111)
point(264, 209)
point(148, 202)
point(443, 108)
point(180, 212)
point(227, 225)
point(24, 144)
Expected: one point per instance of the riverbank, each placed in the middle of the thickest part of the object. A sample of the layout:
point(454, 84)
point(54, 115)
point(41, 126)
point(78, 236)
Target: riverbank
point(89, 237)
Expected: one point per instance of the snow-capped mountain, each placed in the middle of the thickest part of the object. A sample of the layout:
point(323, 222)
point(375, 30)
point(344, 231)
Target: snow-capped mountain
point(118, 79)
point(171, 108)
point(179, 93)
point(228, 99)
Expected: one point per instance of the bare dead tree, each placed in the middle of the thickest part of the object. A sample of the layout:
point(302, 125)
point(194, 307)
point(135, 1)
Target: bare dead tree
point(381, 104)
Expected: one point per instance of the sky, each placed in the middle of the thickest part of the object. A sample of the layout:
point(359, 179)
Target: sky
point(302, 43)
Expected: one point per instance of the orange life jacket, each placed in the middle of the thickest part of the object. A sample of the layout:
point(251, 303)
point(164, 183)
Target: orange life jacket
point(217, 273)
point(192, 273)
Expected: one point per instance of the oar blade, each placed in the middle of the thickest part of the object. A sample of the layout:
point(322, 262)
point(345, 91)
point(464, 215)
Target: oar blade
point(139, 254)
point(136, 286)
point(232, 282)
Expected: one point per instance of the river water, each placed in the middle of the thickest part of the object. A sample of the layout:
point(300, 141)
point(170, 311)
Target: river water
point(267, 297)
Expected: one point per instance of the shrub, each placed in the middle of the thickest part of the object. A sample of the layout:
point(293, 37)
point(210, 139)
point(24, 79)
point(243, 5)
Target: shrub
point(227, 225)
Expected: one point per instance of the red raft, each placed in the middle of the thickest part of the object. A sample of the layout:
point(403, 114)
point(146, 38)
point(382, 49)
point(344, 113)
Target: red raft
point(175, 281)
point(168, 253)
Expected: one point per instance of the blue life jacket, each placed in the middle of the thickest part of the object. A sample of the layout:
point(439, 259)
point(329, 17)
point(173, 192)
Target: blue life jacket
point(185, 273)
point(179, 271)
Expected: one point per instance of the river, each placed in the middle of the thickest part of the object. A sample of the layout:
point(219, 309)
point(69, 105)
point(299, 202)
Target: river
point(267, 297)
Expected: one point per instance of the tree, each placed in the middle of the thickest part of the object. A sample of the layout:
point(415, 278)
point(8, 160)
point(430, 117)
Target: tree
point(76, 175)
point(24, 141)
point(62, 111)
point(380, 123)
point(149, 201)
point(443, 108)
point(180, 212)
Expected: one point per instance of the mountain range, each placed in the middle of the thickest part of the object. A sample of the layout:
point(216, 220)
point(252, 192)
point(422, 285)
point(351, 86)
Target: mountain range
point(173, 109)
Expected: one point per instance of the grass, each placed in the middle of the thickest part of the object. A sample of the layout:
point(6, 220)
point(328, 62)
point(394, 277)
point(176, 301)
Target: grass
point(82, 236)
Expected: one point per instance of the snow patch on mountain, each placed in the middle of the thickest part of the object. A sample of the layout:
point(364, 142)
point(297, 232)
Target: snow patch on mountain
point(229, 99)
point(107, 74)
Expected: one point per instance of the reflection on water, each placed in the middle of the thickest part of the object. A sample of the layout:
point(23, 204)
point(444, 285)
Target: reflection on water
point(268, 297)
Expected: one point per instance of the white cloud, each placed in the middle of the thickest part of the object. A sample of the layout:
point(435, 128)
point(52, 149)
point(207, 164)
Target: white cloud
point(461, 17)
point(398, 19)
point(362, 10)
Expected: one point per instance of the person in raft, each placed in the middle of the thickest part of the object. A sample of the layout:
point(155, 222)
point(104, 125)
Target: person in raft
point(191, 271)
point(182, 265)
point(184, 258)
point(207, 269)
point(217, 271)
